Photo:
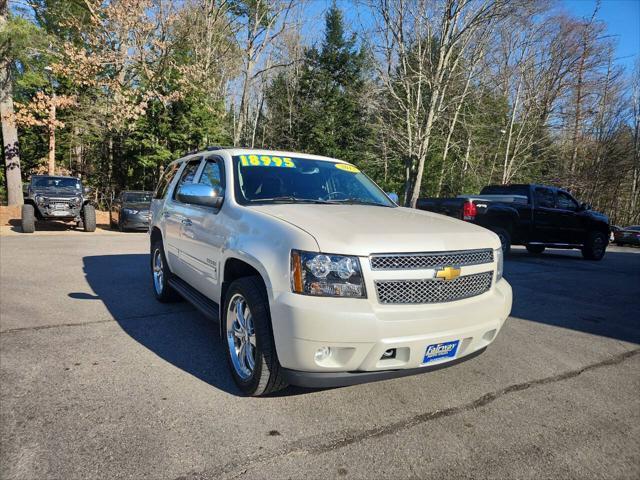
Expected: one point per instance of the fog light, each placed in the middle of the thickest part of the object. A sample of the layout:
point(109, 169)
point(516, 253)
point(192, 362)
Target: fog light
point(322, 354)
point(391, 353)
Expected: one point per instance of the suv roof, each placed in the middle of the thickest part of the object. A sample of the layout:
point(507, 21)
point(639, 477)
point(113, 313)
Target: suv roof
point(210, 151)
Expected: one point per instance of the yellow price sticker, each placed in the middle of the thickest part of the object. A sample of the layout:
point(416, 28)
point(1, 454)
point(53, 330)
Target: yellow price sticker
point(266, 161)
point(346, 167)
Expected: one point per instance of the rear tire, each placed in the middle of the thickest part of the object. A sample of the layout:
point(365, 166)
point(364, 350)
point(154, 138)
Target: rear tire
point(28, 219)
point(505, 239)
point(535, 249)
point(595, 246)
point(248, 338)
point(89, 218)
point(160, 275)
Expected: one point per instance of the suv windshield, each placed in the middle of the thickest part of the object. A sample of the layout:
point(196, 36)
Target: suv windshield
point(137, 197)
point(56, 182)
point(273, 179)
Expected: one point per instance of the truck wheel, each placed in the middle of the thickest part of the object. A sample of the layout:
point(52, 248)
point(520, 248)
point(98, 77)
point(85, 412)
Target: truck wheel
point(89, 218)
point(160, 275)
point(595, 246)
point(505, 239)
point(28, 219)
point(535, 249)
point(248, 339)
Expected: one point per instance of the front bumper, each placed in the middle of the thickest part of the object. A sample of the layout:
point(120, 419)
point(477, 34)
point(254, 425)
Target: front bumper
point(139, 221)
point(50, 212)
point(359, 331)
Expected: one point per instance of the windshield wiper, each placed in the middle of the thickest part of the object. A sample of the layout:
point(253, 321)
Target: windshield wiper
point(358, 201)
point(289, 199)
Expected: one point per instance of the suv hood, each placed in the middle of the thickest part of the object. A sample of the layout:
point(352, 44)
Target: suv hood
point(57, 192)
point(362, 229)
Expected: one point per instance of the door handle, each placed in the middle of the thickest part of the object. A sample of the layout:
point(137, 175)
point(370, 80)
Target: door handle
point(186, 222)
point(166, 214)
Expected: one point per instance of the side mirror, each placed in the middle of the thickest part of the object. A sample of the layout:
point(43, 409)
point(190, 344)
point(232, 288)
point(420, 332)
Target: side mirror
point(393, 196)
point(199, 194)
point(585, 206)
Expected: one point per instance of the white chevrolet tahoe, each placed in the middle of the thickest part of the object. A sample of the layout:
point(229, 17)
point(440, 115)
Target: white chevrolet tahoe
point(316, 276)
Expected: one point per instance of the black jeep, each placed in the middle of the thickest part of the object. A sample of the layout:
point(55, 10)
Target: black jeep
point(57, 198)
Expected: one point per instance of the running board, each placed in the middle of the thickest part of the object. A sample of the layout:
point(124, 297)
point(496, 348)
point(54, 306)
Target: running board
point(207, 307)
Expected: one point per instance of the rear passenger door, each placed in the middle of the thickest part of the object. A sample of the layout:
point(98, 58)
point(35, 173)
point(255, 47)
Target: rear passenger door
point(205, 235)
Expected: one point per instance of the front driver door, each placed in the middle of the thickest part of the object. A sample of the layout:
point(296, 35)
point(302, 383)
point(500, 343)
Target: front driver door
point(569, 221)
point(544, 211)
point(204, 236)
point(175, 214)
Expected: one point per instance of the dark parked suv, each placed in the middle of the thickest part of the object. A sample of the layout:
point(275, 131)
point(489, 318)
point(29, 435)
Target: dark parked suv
point(57, 198)
point(130, 210)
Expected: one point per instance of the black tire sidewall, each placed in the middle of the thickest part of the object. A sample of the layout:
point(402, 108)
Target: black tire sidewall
point(168, 294)
point(506, 246)
point(28, 219)
point(89, 218)
point(258, 303)
point(588, 252)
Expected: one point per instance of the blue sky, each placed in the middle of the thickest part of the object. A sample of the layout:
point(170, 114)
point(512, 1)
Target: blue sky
point(622, 18)
point(623, 22)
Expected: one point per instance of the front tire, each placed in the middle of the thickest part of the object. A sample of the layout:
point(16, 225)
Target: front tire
point(89, 218)
point(595, 246)
point(28, 219)
point(535, 249)
point(248, 338)
point(160, 275)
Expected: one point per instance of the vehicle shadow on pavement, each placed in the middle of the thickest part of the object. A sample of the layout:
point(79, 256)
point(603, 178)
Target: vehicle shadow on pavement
point(175, 332)
point(561, 289)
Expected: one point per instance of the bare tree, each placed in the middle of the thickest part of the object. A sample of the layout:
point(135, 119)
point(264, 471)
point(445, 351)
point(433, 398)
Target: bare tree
point(9, 129)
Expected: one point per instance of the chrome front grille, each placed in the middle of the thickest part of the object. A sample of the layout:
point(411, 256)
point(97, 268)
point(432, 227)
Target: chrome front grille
point(416, 261)
point(431, 290)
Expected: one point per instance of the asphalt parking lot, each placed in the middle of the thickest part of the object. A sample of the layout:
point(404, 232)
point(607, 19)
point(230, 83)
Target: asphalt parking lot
point(97, 380)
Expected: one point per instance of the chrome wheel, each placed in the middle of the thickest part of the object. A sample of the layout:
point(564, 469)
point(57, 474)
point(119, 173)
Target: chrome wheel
point(241, 337)
point(158, 271)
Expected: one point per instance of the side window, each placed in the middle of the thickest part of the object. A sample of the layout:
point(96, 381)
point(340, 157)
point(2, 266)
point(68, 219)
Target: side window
point(565, 202)
point(211, 174)
point(188, 174)
point(544, 198)
point(165, 180)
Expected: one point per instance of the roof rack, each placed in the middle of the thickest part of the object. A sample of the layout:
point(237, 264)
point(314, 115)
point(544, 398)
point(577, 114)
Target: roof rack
point(211, 148)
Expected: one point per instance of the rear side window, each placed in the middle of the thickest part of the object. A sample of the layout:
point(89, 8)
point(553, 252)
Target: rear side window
point(188, 175)
point(165, 180)
point(544, 198)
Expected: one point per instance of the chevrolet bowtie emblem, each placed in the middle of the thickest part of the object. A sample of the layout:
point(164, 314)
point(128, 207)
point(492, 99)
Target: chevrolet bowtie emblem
point(448, 273)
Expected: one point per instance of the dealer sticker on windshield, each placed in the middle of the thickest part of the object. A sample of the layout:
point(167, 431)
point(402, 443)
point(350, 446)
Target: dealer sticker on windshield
point(440, 351)
point(266, 161)
point(346, 167)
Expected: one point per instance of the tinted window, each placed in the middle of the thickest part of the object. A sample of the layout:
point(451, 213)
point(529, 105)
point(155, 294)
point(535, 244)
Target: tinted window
point(165, 180)
point(211, 174)
point(635, 228)
point(137, 197)
point(544, 198)
point(188, 174)
point(565, 202)
point(56, 182)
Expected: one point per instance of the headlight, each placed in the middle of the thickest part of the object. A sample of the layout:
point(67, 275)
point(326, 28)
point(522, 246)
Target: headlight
point(500, 262)
point(326, 275)
point(78, 200)
point(130, 211)
point(39, 199)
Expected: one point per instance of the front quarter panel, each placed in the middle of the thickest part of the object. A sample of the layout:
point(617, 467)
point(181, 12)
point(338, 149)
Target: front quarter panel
point(263, 242)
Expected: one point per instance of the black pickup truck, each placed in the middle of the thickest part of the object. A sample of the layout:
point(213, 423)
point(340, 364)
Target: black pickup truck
point(536, 216)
